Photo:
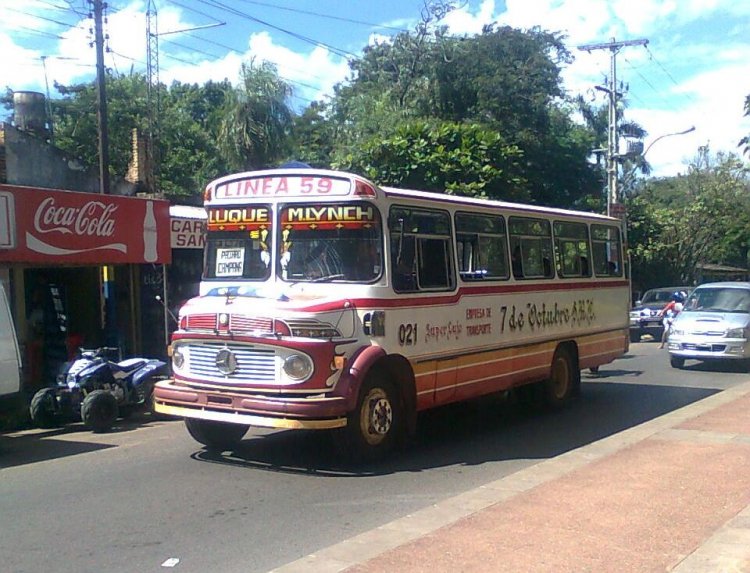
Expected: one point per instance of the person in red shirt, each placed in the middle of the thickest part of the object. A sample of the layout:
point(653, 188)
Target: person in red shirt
point(669, 312)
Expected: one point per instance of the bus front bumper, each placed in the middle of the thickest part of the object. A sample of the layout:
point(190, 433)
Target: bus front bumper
point(316, 413)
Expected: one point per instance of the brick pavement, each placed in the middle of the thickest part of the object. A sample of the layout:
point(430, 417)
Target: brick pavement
point(672, 494)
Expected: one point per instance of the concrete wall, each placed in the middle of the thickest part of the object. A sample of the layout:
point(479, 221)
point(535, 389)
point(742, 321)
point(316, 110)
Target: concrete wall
point(32, 161)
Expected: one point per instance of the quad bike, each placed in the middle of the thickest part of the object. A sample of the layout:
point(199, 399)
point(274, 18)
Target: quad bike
point(97, 390)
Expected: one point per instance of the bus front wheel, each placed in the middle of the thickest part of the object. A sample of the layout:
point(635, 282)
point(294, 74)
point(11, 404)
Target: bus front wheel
point(216, 436)
point(374, 426)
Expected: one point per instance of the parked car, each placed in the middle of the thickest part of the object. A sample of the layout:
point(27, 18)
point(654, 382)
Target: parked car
point(713, 325)
point(644, 316)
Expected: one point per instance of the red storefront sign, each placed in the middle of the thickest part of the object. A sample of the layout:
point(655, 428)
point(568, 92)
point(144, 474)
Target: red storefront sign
point(64, 227)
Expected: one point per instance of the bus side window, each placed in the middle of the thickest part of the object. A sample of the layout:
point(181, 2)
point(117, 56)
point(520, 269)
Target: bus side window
point(606, 249)
point(517, 261)
point(531, 248)
point(482, 245)
point(572, 249)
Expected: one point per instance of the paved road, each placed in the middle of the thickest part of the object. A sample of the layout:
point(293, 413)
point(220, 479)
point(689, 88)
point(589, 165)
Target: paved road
point(133, 499)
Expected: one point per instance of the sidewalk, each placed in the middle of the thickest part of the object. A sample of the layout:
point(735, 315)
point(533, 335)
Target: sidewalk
point(672, 494)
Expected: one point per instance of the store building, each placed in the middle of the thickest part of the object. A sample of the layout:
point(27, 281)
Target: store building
point(73, 263)
point(81, 267)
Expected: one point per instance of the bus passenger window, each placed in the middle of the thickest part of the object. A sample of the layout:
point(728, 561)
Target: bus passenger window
point(607, 250)
point(482, 244)
point(531, 243)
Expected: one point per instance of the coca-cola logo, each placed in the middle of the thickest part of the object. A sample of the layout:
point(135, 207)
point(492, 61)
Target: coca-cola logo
point(92, 219)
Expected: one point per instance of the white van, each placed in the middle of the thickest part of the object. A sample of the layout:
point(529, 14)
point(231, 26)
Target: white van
point(10, 356)
point(713, 325)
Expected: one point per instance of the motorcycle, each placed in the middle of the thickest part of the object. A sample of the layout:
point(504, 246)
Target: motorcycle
point(96, 389)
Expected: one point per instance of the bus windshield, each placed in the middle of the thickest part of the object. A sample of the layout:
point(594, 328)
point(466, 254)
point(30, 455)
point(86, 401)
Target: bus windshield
point(330, 243)
point(239, 243)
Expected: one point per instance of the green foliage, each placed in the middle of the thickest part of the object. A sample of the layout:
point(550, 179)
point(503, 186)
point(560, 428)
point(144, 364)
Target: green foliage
point(76, 125)
point(503, 81)
point(679, 222)
point(256, 119)
point(745, 141)
point(445, 157)
point(313, 137)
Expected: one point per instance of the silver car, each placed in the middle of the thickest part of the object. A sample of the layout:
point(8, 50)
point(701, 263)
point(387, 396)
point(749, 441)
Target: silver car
point(713, 325)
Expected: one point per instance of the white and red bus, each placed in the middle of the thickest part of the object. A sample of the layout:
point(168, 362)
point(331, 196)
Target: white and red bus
point(328, 302)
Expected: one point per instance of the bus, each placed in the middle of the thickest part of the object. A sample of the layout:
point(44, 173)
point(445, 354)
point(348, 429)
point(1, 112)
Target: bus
point(328, 302)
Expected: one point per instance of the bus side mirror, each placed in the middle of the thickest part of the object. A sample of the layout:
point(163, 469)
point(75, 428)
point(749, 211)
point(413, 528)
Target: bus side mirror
point(373, 323)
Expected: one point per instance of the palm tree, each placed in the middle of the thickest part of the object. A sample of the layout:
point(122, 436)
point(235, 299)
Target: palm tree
point(257, 119)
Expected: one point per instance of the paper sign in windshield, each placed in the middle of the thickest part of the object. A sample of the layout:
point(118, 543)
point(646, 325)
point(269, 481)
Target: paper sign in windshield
point(229, 262)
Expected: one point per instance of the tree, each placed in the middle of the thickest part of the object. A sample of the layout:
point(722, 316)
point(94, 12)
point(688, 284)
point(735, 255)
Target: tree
point(677, 223)
point(504, 80)
point(256, 119)
point(313, 137)
point(455, 158)
point(746, 140)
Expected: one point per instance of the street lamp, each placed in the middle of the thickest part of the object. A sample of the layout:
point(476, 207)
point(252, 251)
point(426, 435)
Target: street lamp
point(650, 145)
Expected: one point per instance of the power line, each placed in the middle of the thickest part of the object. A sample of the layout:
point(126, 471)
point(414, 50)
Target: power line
point(40, 33)
point(327, 16)
point(338, 51)
point(66, 24)
point(230, 48)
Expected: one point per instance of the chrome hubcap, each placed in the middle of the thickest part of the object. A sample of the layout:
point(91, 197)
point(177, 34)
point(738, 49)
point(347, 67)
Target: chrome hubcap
point(376, 416)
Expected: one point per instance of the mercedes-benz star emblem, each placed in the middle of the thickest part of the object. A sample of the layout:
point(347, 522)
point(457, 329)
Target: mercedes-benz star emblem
point(226, 361)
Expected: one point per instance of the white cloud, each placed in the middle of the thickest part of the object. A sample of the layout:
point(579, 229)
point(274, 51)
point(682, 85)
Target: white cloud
point(695, 71)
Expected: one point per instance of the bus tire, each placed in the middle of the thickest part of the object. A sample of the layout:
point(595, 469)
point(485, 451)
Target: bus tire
point(676, 362)
point(216, 436)
point(376, 425)
point(562, 382)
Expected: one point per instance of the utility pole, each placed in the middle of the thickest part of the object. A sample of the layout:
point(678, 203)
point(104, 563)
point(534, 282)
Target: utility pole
point(154, 100)
point(101, 99)
point(613, 195)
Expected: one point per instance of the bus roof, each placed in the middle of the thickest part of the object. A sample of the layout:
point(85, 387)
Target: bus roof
point(394, 192)
point(488, 203)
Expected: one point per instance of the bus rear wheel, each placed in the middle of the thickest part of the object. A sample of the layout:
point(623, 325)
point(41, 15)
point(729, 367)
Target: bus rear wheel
point(376, 424)
point(562, 382)
point(216, 436)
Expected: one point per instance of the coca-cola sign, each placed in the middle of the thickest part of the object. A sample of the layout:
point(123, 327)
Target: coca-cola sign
point(64, 226)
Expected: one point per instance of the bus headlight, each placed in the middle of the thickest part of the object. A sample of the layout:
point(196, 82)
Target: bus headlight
point(178, 358)
point(298, 367)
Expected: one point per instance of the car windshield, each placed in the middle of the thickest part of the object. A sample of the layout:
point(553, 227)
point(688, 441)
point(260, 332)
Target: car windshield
point(653, 296)
point(719, 299)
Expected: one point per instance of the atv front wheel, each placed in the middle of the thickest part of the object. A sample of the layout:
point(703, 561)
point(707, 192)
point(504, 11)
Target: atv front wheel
point(99, 411)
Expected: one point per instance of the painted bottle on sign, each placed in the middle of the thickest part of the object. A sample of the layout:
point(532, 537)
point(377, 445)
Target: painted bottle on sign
point(150, 234)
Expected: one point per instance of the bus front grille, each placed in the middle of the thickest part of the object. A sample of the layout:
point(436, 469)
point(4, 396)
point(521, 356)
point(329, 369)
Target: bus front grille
point(253, 364)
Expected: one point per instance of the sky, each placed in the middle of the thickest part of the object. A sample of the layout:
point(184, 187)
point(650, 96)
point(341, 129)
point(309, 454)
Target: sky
point(693, 72)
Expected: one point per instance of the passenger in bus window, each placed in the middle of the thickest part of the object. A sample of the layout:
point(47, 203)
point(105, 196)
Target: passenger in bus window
point(323, 261)
point(403, 265)
point(366, 264)
point(585, 266)
point(516, 262)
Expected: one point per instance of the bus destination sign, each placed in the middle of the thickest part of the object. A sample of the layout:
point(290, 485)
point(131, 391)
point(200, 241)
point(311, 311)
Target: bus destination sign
point(283, 186)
